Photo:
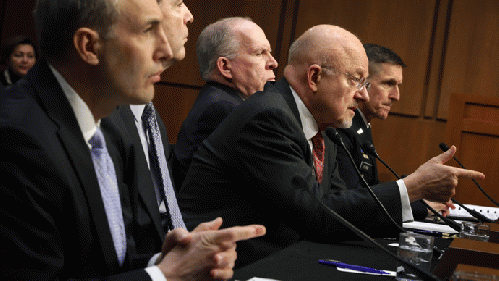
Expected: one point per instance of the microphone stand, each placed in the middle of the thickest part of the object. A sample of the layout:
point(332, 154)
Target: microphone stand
point(444, 148)
point(369, 148)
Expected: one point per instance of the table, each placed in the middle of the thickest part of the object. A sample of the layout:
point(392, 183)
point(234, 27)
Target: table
point(300, 261)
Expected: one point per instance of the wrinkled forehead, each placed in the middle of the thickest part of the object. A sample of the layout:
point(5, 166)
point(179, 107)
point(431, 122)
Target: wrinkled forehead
point(251, 35)
point(352, 59)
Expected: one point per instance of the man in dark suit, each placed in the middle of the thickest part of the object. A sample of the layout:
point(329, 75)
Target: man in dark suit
point(131, 121)
point(385, 77)
point(69, 199)
point(235, 61)
point(265, 163)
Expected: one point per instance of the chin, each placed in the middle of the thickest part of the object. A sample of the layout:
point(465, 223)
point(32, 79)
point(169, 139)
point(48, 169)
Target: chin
point(345, 124)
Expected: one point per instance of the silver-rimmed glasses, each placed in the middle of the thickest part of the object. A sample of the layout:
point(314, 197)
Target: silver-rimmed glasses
point(359, 83)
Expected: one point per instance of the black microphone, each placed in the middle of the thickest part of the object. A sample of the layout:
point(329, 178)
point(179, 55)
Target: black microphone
point(421, 273)
point(425, 275)
point(336, 138)
point(369, 148)
point(474, 213)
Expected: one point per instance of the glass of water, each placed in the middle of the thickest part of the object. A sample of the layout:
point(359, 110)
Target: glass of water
point(416, 249)
point(475, 231)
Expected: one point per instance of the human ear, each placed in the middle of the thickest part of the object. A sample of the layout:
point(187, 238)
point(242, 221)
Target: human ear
point(314, 74)
point(87, 44)
point(225, 67)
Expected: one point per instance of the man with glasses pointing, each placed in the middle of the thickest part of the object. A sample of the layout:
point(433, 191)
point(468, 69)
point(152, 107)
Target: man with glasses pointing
point(270, 163)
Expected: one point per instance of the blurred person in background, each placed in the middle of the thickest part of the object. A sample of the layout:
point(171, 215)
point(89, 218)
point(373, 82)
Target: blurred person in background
point(19, 54)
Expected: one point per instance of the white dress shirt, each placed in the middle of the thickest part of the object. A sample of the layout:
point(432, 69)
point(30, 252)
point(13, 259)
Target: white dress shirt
point(88, 127)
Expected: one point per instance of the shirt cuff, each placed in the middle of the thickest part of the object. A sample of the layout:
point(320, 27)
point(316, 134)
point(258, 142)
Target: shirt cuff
point(406, 204)
point(155, 273)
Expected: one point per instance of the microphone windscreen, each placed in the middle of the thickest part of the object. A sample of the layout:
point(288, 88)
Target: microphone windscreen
point(369, 148)
point(443, 147)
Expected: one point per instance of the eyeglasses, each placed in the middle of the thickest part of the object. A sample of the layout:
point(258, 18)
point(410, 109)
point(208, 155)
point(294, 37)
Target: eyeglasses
point(359, 83)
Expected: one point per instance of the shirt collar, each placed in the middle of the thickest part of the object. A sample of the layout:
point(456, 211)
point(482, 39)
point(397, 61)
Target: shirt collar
point(310, 128)
point(137, 110)
point(83, 114)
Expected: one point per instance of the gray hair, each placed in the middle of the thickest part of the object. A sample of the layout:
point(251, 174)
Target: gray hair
point(217, 40)
point(56, 22)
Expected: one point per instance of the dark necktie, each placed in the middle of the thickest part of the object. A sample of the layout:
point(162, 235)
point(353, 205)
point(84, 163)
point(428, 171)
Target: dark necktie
point(106, 175)
point(318, 152)
point(159, 163)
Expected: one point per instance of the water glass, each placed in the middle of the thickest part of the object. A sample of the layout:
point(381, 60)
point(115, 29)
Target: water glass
point(416, 249)
point(475, 231)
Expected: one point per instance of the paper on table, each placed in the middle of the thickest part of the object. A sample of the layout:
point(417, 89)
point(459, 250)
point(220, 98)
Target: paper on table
point(442, 228)
point(490, 212)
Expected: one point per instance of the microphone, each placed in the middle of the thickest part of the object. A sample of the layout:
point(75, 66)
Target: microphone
point(369, 148)
point(474, 213)
point(336, 138)
point(421, 273)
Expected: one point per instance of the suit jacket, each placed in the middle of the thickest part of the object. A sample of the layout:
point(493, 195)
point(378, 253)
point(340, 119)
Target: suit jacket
point(257, 167)
point(124, 120)
point(54, 225)
point(214, 102)
point(354, 139)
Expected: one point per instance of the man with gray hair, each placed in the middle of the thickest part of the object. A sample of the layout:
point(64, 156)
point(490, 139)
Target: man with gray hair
point(235, 60)
point(270, 162)
point(68, 203)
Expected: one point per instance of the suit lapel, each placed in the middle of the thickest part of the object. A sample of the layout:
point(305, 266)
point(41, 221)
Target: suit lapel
point(145, 184)
point(283, 89)
point(57, 106)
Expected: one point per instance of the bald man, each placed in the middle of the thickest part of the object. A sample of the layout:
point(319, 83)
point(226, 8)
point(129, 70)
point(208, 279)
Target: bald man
point(269, 163)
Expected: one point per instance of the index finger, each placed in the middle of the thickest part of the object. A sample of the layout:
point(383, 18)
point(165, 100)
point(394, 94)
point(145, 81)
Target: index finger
point(237, 233)
point(470, 174)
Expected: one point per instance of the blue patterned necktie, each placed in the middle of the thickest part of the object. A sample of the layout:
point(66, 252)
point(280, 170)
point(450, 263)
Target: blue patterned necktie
point(158, 162)
point(106, 176)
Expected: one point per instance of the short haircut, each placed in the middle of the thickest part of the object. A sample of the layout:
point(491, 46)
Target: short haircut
point(378, 54)
point(12, 44)
point(56, 22)
point(217, 40)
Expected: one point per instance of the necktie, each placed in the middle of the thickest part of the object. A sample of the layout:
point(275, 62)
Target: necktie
point(159, 163)
point(318, 151)
point(106, 175)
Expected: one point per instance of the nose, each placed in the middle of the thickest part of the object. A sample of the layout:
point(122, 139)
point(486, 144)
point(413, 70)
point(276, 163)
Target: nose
point(395, 93)
point(189, 18)
point(272, 63)
point(164, 51)
point(361, 95)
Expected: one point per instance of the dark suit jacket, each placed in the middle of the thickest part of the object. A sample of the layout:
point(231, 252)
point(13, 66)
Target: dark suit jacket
point(124, 120)
point(354, 139)
point(257, 167)
point(214, 102)
point(54, 225)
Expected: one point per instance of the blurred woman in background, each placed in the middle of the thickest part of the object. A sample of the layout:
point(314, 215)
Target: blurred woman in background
point(19, 54)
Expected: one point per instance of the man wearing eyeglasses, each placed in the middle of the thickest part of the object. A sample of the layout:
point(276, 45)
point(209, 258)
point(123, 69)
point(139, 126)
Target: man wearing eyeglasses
point(385, 77)
point(269, 162)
